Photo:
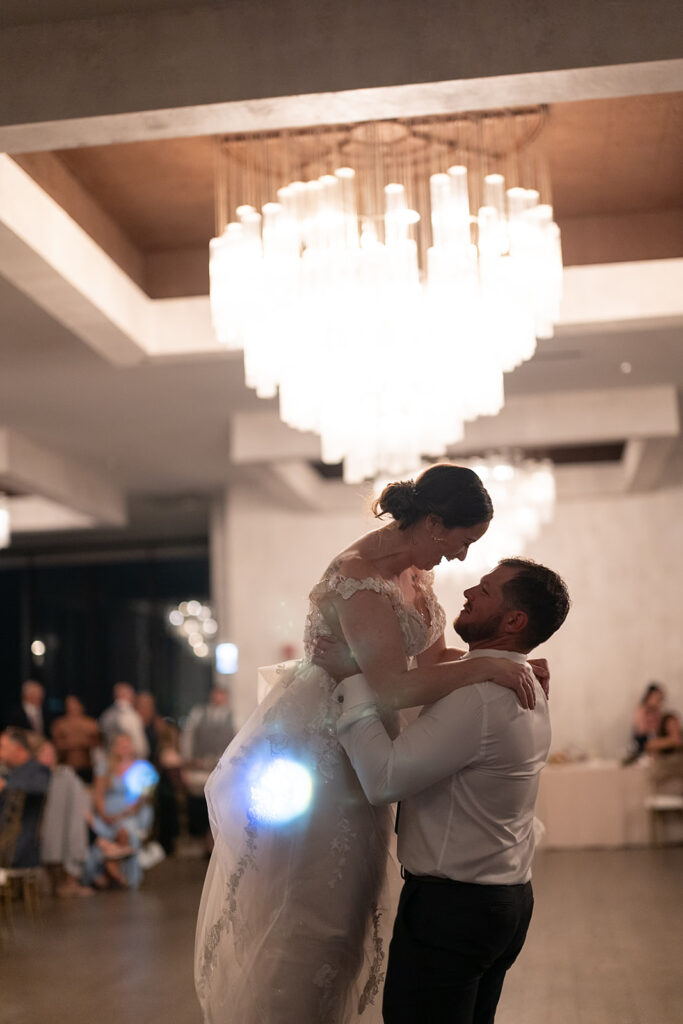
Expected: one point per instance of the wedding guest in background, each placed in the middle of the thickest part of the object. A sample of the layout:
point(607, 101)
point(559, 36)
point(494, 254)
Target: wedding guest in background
point(31, 714)
point(163, 738)
point(122, 820)
point(647, 717)
point(75, 736)
point(208, 731)
point(25, 775)
point(63, 827)
point(122, 717)
point(666, 750)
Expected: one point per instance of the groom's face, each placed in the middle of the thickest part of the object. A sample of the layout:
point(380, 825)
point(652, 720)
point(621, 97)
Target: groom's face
point(484, 610)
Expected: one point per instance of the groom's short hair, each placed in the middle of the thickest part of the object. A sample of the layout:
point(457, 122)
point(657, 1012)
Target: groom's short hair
point(539, 592)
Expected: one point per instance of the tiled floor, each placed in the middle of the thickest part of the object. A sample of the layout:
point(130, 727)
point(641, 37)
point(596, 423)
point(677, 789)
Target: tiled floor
point(604, 948)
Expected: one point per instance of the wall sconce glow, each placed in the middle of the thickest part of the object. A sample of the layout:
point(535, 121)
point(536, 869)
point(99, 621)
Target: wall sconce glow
point(281, 792)
point(227, 659)
point(38, 648)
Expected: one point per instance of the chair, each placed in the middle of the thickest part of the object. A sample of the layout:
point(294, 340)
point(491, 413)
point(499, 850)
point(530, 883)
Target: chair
point(28, 878)
point(661, 806)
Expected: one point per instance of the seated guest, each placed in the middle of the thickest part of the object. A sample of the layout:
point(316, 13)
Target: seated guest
point(64, 829)
point(666, 748)
point(26, 776)
point(647, 718)
point(122, 817)
point(122, 717)
point(75, 736)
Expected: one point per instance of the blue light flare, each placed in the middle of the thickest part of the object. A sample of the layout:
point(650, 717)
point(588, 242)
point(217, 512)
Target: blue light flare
point(281, 791)
point(139, 779)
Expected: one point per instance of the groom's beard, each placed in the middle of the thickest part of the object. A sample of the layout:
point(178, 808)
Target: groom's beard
point(473, 632)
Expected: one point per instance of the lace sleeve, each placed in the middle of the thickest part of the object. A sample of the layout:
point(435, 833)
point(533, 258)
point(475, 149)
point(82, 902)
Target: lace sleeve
point(347, 586)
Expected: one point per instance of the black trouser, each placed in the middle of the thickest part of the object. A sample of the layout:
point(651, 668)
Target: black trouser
point(452, 944)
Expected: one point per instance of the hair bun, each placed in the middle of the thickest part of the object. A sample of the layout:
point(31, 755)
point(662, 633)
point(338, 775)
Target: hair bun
point(399, 500)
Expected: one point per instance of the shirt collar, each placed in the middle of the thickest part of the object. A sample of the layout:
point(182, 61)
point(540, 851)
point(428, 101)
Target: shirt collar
point(495, 652)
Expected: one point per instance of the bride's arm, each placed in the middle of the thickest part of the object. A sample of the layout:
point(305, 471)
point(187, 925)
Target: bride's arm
point(438, 653)
point(372, 632)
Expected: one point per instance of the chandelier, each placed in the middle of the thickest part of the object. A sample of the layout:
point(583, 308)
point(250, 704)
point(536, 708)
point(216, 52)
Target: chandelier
point(381, 278)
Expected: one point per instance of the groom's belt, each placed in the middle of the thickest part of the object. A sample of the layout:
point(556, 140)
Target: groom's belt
point(454, 883)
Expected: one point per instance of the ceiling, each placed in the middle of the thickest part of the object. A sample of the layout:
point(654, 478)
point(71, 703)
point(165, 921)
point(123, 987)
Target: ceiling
point(164, 433)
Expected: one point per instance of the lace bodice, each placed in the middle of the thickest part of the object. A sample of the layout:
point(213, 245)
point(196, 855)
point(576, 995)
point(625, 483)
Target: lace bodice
point(417, 633)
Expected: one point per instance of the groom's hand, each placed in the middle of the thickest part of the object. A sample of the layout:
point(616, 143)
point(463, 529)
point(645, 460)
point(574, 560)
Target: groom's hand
point(335, 657)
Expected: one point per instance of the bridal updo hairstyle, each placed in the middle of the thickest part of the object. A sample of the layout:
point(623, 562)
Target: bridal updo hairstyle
point(455, 494)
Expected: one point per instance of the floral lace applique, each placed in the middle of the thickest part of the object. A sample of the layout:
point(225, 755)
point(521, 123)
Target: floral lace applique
point(376, 975)
point(341, 844)
point(226, 919)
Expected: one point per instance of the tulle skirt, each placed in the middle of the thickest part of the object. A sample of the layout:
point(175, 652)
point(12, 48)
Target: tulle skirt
point(296, 915)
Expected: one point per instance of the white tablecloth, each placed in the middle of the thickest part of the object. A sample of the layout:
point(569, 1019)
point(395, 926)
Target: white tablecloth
point(594, 803)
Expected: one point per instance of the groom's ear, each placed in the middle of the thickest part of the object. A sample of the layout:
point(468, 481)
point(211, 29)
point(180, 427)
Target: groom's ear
point(516, 621)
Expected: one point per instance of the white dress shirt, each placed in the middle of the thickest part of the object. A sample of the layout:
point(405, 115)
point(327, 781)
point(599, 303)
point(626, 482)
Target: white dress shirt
point(466, 772)
point(35, 717)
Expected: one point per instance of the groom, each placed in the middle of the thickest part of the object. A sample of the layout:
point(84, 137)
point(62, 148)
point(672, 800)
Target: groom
point(466, 773)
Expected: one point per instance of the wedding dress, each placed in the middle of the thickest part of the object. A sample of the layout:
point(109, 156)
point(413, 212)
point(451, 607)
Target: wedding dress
point(295, 918)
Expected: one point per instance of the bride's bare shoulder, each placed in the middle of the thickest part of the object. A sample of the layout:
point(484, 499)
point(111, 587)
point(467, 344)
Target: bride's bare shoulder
point(354, 562)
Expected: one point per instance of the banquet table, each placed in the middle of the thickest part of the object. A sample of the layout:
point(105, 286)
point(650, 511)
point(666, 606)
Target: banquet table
point(595, 803)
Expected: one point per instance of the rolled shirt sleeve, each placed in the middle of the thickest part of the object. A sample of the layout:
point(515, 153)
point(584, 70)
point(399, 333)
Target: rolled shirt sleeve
point(445, 738)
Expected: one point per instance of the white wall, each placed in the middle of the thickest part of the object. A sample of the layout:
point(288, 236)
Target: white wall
point(622, 559)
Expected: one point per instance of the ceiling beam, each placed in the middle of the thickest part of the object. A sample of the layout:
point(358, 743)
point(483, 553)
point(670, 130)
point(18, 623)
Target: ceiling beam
point(51, 259)
point(346, 106)
point(526, 421)
point(202, 56)
point(31, 469)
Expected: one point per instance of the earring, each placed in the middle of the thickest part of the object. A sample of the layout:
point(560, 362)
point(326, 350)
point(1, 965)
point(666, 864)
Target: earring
point(438, 540)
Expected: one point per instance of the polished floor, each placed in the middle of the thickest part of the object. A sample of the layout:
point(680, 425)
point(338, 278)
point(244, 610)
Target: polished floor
point(605, 947)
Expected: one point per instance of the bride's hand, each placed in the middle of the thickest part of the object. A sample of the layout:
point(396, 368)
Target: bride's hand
point(514, 676)
point(335, 657)
point(539, 667)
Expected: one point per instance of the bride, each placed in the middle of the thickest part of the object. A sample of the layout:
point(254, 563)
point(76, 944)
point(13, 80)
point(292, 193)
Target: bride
point(294, 919)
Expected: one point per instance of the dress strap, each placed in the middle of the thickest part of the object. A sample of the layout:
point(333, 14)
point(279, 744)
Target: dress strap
point(347, 586)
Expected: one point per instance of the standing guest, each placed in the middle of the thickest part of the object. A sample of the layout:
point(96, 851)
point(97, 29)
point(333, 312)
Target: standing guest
point(208, 731)
point(163, 737)
point(25, 775)
point(466, 772)
point(122, 717)
point(31, 713)
point(75, 736)
point(63, 827)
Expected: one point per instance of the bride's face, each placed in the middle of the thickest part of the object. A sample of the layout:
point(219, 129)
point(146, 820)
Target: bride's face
point(451, 544)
